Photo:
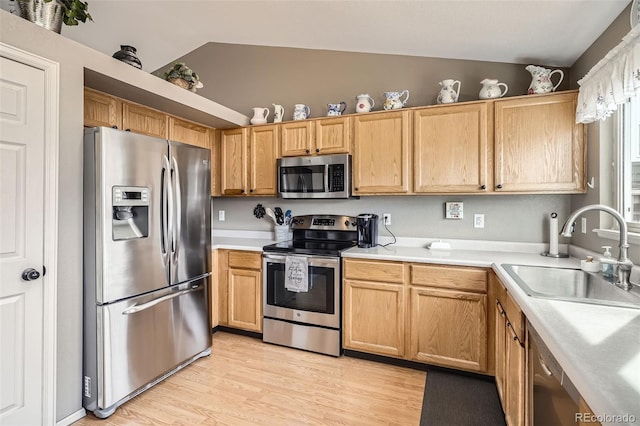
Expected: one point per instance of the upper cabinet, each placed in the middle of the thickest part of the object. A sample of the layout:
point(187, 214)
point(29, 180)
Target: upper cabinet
point(318, 137)
point(381, 156)
point(248, 160)
point(452, 148)
point(101, 109)
point(538, 145)
point(189, 132)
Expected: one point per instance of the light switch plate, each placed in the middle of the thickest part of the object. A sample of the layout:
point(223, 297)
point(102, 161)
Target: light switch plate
point(478, 220)
point(453, 210)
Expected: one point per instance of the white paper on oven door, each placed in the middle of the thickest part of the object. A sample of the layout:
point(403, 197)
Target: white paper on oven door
point(296, 274)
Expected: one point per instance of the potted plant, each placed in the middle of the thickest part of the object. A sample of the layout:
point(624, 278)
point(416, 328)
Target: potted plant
point(183, 76)
point(52, 13)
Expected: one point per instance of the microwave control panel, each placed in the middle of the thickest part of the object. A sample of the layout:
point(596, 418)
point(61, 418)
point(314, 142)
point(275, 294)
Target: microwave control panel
point(336, 177)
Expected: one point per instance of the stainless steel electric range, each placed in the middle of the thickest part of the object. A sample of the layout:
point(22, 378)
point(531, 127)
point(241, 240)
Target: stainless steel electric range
point(303, 284)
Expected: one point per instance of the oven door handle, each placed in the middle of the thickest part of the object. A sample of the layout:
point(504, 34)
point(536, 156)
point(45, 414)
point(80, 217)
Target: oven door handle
point(311, 259)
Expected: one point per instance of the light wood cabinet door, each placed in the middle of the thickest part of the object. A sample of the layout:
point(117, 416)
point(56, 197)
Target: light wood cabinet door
point(101, 109)
point(263, 149)
point(538, 145)
point(297, 138)
point(139, 119)
point(234, 156)
point(189, 132)
point(381, 156)
point(451, 149)
point(374, 317)
point(333, 136)
point(245, 307)
point(448, 328)
point(515, 376)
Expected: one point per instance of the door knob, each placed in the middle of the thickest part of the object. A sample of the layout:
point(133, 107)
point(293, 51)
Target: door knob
point(30, 274)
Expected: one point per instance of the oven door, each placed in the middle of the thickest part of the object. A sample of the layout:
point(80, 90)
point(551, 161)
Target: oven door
point(319, 306)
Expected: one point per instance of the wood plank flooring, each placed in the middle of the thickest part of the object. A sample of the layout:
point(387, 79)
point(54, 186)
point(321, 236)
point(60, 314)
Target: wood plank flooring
point(248, 382)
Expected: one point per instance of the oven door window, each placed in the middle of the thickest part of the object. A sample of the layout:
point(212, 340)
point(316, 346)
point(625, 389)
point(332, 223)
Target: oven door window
point(302, 179)
point(320, 297)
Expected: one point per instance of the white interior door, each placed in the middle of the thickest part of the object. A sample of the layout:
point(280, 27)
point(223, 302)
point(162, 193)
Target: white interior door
point(22, 178)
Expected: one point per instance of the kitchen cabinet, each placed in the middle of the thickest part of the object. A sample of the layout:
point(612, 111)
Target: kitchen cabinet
point(189, 132)
point(101, 109)
point(248, 161)
point(452, 148)
point(318, 137)
point(374, 307)
point(239, 290)
point(448, 316)
point(297, 138)
point(510, 356)
point(381, 153)
point(538, 145)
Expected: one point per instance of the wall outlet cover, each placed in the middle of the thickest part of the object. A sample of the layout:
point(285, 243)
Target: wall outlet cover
point(453, 210)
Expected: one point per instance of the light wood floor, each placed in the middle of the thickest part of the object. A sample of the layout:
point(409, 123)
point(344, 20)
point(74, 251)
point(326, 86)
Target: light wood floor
point(247, 382)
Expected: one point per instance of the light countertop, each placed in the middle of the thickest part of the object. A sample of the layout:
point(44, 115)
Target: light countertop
point(597, 346)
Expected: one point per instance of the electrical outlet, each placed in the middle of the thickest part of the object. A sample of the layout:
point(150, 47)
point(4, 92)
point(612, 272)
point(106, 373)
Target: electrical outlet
point(478, 220)
point(583, 225)
point(221, 215)
point(386, 217)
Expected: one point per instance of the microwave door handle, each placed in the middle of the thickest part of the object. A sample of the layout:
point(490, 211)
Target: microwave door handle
point(326, 178)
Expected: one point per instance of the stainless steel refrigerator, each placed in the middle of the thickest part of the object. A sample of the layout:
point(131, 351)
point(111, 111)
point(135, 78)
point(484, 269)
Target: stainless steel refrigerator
point(147, 263)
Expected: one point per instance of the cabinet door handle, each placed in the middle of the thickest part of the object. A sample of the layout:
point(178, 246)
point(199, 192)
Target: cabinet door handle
point(251, 190)
point(317, 149)
point(307, 151)
point(114, 127)
point(483, 187)
point(513, 334)
point(499, 186)
point(500, 308)
point(356, 188)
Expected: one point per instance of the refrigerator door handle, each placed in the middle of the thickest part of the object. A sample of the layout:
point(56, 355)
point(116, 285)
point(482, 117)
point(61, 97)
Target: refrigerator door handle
point(154, 302)
point(177, 224)
point(165, 210)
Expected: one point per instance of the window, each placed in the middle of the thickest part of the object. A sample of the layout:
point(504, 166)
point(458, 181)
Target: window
point(627, 163)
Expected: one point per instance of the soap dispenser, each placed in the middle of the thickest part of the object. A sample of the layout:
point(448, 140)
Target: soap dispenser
point(607, 268)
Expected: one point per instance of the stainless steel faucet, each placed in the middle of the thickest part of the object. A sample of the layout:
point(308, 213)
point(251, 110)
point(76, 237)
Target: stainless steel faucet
point(623, 263)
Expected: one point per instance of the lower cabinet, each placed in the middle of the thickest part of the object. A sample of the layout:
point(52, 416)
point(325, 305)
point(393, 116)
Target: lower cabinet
point(427, 313)
point(240, 289)
point(510, 357)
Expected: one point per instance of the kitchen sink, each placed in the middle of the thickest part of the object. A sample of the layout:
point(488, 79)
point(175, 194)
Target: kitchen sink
point(574, 285)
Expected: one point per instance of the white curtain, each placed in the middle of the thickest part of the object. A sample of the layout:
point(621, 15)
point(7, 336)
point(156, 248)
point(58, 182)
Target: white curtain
point(611, 81)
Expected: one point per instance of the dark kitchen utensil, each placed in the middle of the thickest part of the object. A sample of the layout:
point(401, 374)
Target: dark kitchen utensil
point(259, 211)
point(279, 215)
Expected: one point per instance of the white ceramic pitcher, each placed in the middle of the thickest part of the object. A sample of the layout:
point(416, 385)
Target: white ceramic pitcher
point(301, 112)
point(393, 100)
point(447, 94)
point(259, 115)
point(541, 79)
point(365, 103)
point(491, 89)
point(278, 113)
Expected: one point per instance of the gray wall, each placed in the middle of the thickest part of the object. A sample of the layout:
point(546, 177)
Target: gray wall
point(599, 142)
point(243, 76)
point(507, 217)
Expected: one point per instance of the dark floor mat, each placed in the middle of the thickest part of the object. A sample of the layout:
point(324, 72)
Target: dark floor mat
point(458, 400)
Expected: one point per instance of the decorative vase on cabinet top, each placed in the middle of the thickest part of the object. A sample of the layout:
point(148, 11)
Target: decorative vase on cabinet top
point(491, 89)
point(541, 79)
point(259, 115)
point(301, 112)
point(447, 94)
point(127, 54)
point(336, 109)
point(364, 103)
point(393, 100)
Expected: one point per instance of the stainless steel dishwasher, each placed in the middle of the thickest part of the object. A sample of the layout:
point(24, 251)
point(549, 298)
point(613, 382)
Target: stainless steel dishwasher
point(555, 399)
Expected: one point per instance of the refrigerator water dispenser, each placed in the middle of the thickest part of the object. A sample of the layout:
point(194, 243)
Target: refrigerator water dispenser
point(130, 212)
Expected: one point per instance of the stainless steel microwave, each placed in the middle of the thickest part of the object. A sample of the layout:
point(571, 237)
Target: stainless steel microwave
point(320, 176)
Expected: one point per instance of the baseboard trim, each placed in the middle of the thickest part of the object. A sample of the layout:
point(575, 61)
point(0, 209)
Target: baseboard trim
point(415, 365)
point(72, 418)
point(231, 330)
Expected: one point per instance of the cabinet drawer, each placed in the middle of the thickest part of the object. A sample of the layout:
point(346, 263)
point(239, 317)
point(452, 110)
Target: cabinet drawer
point(387, 272)
point(245, 259)
point(469, 279)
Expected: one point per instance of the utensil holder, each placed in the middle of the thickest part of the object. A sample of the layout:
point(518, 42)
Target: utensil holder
point(282, 232)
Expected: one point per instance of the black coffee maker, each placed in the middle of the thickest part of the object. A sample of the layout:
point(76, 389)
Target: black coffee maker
point(367, 230)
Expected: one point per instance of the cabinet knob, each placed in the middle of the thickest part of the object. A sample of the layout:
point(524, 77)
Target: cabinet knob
point(242, 191)
point(127, 130)
point(114, 127)
point(483, 187)
point(307, 151)
point(356, 188)
point(499, 186)
point(317, 149)
point(251, 190)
